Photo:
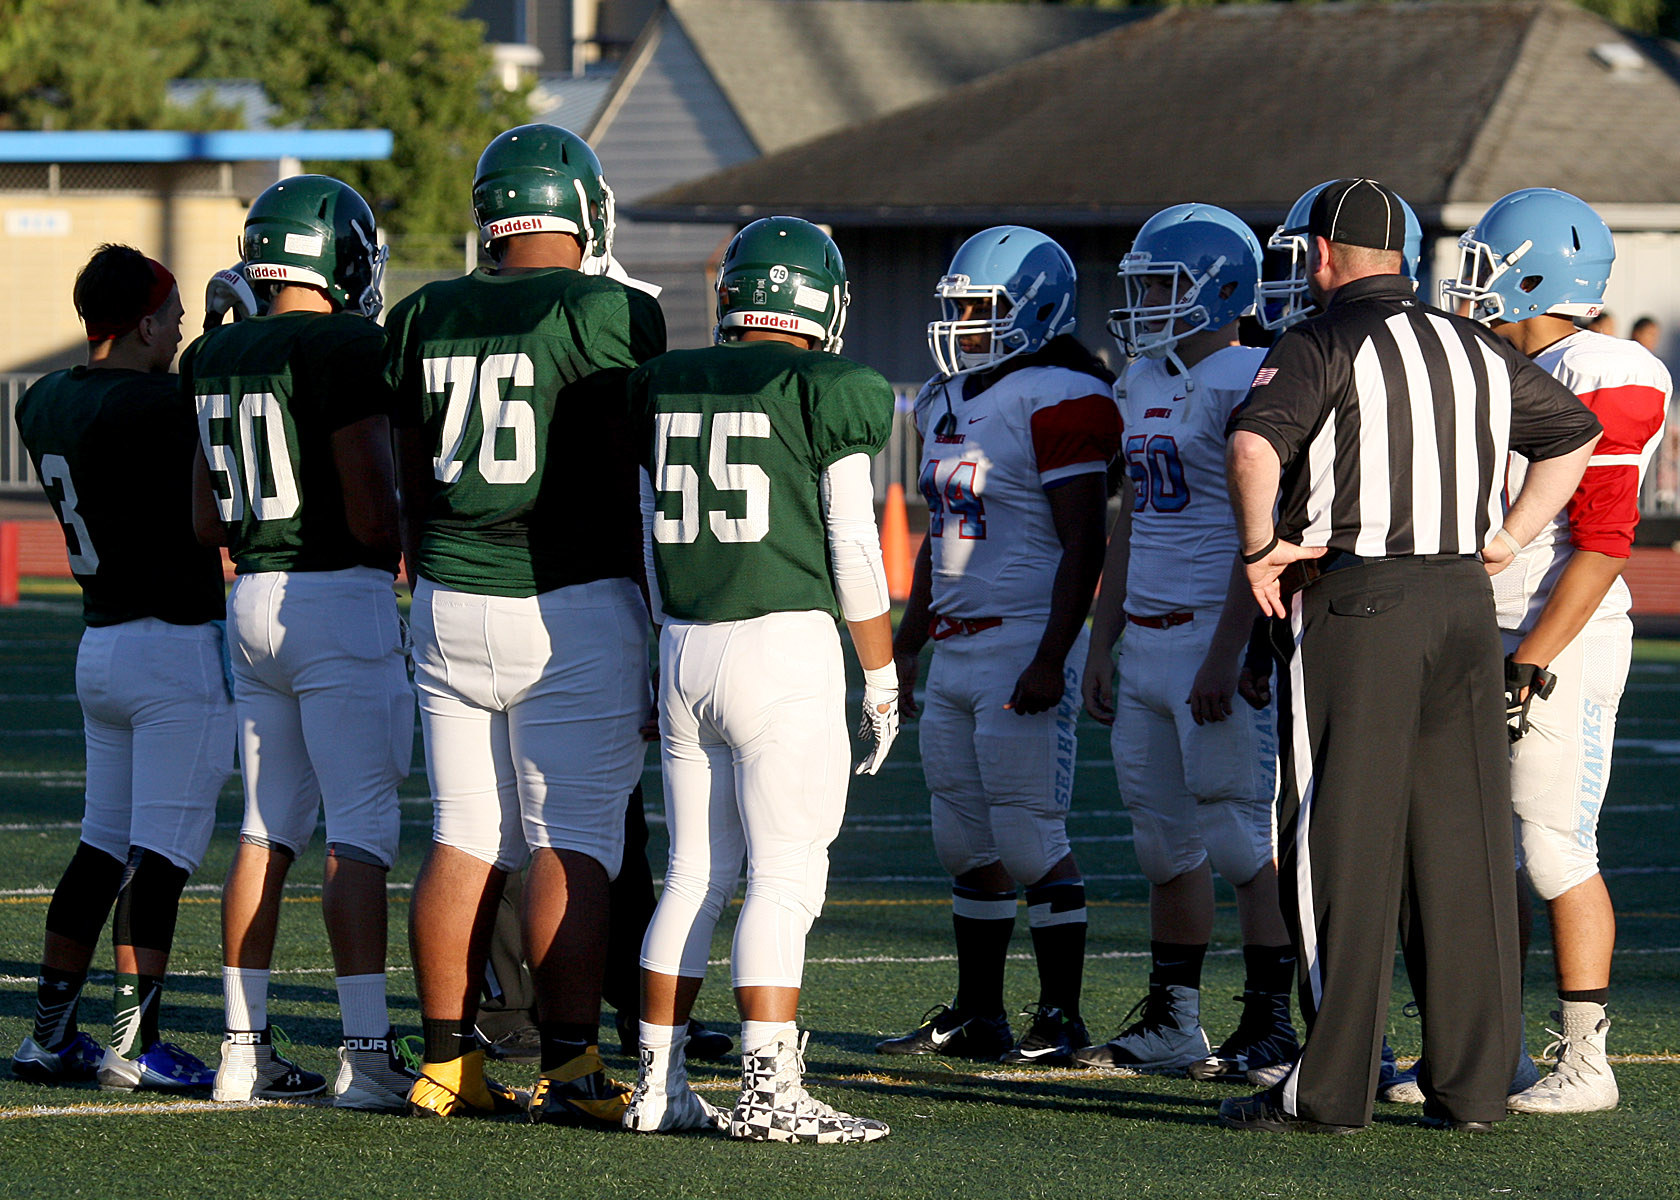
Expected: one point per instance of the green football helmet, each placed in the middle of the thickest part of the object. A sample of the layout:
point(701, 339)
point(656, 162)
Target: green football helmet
point(783, 273)
point(316, 230)
point(545, 179)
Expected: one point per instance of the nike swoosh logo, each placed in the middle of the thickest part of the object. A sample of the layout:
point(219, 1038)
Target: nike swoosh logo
point(975, 420)
point(939, 1039)
point(1042, 1052)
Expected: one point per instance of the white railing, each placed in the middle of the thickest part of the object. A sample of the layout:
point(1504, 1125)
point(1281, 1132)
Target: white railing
point(17, 473)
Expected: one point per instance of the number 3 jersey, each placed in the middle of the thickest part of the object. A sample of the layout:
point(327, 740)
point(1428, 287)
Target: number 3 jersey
point(1628, 389)
point(987, 460)
point(736, 438)
point(269, 393)
point(114, 452)
point(517, 381)
point(1184, 538)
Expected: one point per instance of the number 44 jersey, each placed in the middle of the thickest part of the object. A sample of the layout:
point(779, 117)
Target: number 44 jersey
point(987, 461)
point(270, 392)
point(736, 438)
point(516, 380)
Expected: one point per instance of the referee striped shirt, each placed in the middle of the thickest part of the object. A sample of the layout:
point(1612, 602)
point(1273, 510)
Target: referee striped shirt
point(1394, 419)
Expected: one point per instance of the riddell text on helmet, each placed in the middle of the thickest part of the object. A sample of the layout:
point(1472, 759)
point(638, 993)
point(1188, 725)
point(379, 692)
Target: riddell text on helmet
point(533, 224)
point(765, 320)
point(266, 271)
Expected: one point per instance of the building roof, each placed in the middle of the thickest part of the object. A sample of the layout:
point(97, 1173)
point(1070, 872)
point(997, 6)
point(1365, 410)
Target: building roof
point(796, 69)
point(1451, 103)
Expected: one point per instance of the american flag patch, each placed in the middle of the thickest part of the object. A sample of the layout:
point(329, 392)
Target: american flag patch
point(1264, 376)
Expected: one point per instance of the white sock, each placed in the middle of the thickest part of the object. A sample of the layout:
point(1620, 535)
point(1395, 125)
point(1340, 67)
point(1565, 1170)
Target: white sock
point(361, 1005)
point(660, 1037)
point(756, 1035)
point(245, 998)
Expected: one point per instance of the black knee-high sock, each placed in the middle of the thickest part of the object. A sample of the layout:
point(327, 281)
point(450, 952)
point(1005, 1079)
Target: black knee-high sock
point(1056, 913)
point(1269, 969)
point(983, 923)
point(1176, 964)
point(56, 995)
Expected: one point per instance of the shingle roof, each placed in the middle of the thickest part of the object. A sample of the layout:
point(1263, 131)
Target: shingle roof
point(1245, 106)
point(797, 69)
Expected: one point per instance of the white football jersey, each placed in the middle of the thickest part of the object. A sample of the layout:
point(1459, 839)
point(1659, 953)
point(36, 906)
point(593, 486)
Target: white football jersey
point(1628, 389)
point(986, 464)
point(1184, 538)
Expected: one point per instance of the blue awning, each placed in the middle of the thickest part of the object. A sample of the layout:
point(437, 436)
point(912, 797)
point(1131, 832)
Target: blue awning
point(165, 145)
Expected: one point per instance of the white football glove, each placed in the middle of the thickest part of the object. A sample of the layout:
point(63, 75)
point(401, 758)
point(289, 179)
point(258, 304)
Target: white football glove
point(228, 291)
point(879, 725)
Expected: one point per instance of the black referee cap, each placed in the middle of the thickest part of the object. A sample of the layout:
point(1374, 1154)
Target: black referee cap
point(1359, 212)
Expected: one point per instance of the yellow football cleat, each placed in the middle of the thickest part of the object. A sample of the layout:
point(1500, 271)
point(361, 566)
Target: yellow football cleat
point(458, 1088)
point(580, 1093)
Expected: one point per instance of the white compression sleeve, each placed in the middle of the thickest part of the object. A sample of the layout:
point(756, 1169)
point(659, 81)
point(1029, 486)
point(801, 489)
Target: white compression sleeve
point(854, 544)
point(647, 499)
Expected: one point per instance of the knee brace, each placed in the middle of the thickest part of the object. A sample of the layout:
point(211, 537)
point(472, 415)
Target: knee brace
point(356, 854)
point(1557, 860)
point(956, 844)
point(1163, 854)
point(1059, 903)
point(1028, 843)
point(1235, 847)
point(84, 895)
point(148, 901)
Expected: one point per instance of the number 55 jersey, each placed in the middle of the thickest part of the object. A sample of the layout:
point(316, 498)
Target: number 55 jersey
point(736, 438)
point(987, 460)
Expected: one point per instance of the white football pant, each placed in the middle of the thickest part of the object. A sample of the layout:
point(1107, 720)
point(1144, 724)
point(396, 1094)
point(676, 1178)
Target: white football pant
point(757, 756)
point(1195, 792)
point(326, 714)
point(160, 737)
point(1001, 784)
point(1560, 770)
point(531, 709)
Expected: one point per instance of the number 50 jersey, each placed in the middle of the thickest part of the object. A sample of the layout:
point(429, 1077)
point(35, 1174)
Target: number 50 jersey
point(987, 461)
point(517, 380)
point(270, 392)
point(736, 438)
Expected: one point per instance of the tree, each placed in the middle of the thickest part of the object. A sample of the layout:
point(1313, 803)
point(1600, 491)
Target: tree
point(411, 66)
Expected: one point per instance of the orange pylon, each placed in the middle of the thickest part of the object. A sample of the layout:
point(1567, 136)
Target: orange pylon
point(896, 556)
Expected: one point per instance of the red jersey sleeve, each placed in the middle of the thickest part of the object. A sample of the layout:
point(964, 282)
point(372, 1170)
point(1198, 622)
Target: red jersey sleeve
point(1604, 510)
point(1077, 436)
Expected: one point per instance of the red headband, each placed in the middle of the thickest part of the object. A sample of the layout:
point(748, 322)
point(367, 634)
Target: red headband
point(163, 283)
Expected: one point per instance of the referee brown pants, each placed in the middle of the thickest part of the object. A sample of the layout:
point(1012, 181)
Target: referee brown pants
point(1395, 782)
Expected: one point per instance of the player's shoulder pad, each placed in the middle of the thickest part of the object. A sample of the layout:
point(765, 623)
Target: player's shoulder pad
point(1231, 368)
point(1044, 386)
point(1588, 361)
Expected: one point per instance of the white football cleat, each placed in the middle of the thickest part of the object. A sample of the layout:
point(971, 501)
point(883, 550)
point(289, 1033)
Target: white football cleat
point(663, 1101)
point(374, 1075)
point(1167, 1038)
point(1581, 1081)
point(775, 1107)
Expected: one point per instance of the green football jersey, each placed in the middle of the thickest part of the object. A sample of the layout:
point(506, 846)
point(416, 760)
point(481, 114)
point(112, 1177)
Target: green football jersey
point(515, 383)
point(114, 452)
point(269, 393)
point(735, 438)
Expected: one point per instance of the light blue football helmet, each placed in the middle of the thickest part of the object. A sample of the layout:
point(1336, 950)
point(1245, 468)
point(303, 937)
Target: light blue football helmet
point(1535, 251)
point(1027, 280)
point(1199, 250)
point(1285, 299)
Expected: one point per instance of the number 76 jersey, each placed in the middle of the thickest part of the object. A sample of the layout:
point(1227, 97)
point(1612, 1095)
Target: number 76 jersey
point(987, 462)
